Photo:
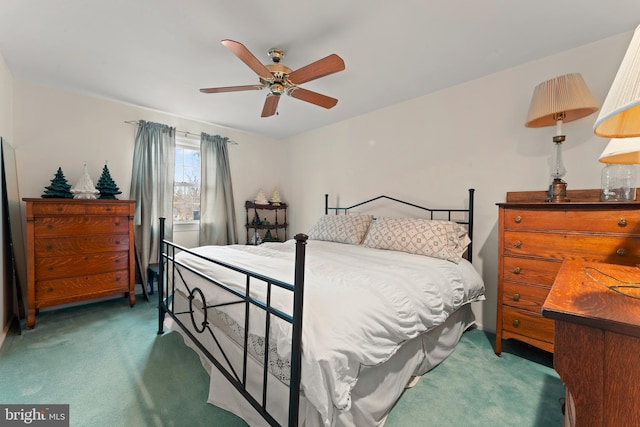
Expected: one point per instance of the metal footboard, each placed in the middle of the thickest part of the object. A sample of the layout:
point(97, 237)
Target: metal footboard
point(170, 267)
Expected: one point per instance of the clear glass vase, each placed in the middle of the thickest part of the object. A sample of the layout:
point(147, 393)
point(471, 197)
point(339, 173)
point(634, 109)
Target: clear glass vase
point(618, 183)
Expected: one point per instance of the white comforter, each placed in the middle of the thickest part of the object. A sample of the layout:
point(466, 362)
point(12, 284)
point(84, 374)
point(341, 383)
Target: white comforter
point(360, 304)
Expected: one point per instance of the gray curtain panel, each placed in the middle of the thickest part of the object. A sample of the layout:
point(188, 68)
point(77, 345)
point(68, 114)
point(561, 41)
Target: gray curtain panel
point(217, 212)
point(152, 189)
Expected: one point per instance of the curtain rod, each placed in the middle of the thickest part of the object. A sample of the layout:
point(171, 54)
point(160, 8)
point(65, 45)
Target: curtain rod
point(184, 132)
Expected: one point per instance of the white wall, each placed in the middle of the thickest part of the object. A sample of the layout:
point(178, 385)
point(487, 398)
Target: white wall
point(6, 131)
point(431, 149)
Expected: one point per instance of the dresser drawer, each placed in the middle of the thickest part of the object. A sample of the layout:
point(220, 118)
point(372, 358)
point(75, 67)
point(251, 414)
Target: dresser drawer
point(57, 208)
point(528, 270)
point(622, 221)
point(80, 225)
point(524, 297)
point(71, 208)
point(51, 292)
point(98, 208)
point(527, 323)
point(71, 266)
point(560, 246)
point(81, 245)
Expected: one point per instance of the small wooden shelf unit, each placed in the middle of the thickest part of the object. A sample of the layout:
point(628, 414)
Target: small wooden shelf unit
point(276, 215)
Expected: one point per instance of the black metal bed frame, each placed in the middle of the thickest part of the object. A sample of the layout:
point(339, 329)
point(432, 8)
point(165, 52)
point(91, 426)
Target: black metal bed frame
point(433, 213)
point(169, 266)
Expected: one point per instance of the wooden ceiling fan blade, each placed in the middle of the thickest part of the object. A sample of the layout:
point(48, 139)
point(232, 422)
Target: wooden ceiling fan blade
point(231, 89)
point(313, 97)
point(322, 67)
point(245, 55)
point(270, 105)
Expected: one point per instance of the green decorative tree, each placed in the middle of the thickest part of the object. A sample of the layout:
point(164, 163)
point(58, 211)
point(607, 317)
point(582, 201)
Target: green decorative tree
point(107, 187)
point(59, 187)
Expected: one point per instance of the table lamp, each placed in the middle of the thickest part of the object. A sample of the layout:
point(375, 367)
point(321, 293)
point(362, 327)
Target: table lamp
point(561, 99)
point(621, 151)
point(620, 114)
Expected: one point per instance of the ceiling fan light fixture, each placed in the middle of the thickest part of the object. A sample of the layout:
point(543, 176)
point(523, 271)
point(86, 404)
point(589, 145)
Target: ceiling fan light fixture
point(277, 89)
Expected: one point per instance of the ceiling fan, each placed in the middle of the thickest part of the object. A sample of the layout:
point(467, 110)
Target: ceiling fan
point(281, 79)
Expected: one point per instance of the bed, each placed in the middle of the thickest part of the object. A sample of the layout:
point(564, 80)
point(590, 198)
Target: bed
point(328, 328)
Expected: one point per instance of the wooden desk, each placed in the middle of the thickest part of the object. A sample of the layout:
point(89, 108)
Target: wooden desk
point(597, 342)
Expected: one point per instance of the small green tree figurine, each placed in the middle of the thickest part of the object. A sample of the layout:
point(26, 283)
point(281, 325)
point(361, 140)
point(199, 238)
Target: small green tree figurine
point(59, 187)
point(107, 187)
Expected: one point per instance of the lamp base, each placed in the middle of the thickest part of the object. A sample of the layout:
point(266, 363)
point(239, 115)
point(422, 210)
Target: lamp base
point(558, 191)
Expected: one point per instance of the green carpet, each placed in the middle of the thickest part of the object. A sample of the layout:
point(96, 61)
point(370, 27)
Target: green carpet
point(106, 361)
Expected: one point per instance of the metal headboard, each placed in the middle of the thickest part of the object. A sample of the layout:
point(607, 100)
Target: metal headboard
point(432, 213)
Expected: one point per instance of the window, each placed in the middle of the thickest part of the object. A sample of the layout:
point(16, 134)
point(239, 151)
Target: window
point(186, 187)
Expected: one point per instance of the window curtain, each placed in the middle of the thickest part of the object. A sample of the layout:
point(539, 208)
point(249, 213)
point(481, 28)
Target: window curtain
point(217, 212)
point(152, 189)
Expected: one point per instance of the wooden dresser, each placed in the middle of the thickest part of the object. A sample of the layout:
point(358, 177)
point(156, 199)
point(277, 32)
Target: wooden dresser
point(78, 250)
point(535, 236)
point(597, 343)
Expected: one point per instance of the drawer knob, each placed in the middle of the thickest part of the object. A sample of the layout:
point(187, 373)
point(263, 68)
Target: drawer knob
point(621, 252)
point(517, 243)
point(622, 222)
point(518, 219)
point(516, 297)
point(516, 323)
point(516, 270)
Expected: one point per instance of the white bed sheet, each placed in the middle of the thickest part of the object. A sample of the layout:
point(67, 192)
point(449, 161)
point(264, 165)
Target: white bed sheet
point(361, 305)
point(377, 390)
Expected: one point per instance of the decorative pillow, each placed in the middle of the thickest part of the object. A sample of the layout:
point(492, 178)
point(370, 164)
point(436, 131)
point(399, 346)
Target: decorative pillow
point(435, 238)
point(341, 228)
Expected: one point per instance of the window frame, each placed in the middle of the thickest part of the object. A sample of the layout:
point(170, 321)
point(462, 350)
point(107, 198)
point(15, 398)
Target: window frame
point(191, 143)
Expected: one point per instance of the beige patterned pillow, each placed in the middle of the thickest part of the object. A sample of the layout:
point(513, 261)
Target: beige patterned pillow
point(341, 228)
point(435, 238)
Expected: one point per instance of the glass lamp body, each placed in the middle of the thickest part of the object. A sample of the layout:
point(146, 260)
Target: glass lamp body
point(618, 183)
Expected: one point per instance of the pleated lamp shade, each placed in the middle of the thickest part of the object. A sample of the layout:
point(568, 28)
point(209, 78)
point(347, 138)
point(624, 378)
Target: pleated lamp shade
point(566, 94)
point(624, 151)
point(620, 114)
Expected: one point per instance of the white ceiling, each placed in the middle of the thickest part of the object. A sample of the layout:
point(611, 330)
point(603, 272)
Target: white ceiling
point(159, 53)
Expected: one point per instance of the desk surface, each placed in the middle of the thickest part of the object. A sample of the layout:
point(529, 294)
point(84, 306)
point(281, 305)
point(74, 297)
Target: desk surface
point(585, 296)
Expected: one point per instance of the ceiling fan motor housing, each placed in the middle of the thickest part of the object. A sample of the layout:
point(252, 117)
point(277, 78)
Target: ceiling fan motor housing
point(276, 54)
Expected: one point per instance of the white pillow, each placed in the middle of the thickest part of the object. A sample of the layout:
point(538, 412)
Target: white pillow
point(349, 229)
point(435, 238)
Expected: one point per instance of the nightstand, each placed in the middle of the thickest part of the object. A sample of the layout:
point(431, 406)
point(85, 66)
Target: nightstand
point(597, 342)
